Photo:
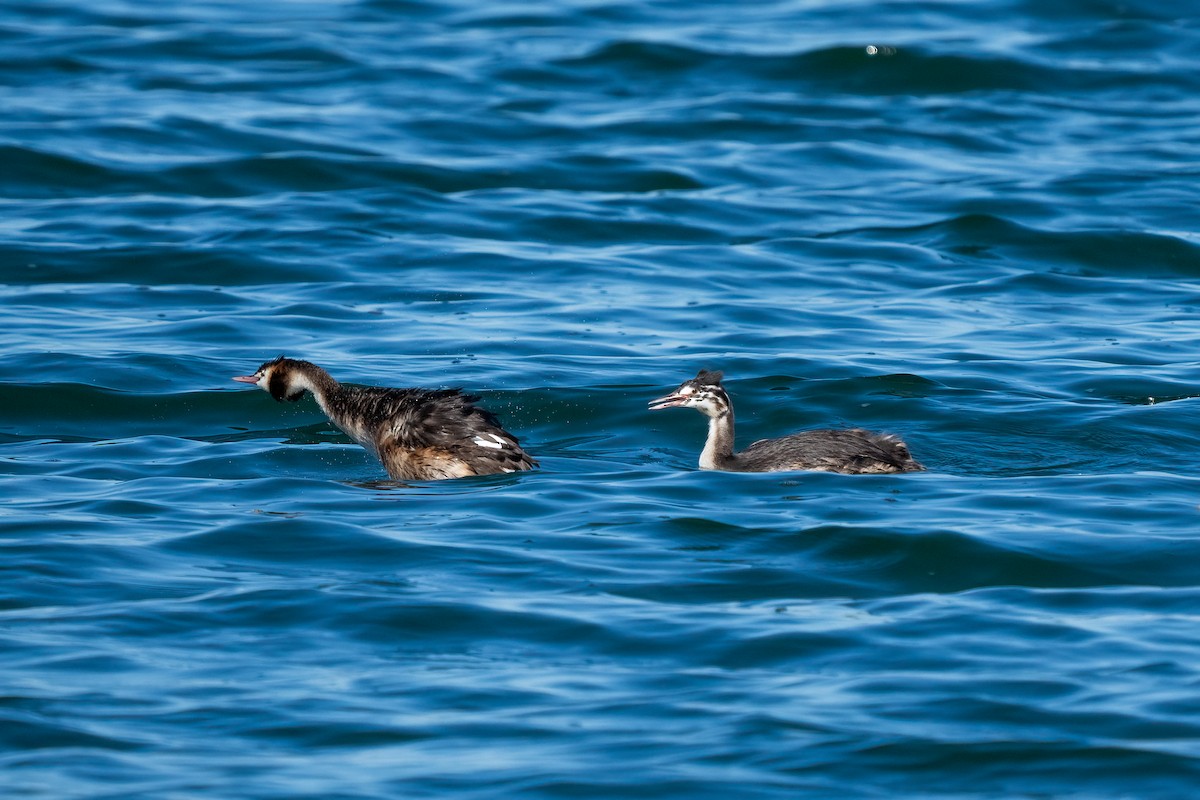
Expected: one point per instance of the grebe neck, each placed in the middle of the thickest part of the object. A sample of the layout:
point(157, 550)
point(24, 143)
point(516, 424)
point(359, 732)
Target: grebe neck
point(718, 449)
point(306, 376)
point(323, 387)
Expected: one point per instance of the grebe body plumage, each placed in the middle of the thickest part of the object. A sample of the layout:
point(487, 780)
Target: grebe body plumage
point(418, 434)
point(852, 451)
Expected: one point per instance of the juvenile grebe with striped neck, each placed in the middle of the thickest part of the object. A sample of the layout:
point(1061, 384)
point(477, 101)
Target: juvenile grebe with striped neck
point(418, 434)
point(852, 451)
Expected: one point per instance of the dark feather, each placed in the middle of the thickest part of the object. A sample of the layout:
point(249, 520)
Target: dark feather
point(430, 420)
point(852, 451)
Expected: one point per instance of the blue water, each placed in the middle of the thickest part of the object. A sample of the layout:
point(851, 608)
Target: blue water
point(970, 224)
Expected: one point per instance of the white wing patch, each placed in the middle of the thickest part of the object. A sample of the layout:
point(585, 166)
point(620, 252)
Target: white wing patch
point(496, 445)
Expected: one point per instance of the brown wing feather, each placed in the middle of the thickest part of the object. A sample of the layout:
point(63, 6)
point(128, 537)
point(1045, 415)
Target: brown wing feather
point(426, 434)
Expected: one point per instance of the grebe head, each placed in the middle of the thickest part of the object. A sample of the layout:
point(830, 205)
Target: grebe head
point(280, 377)
point(703, 393)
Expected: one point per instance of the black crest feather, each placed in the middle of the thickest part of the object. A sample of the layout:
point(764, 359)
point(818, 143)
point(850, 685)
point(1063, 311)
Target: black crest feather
point(277, 386)
point(709, 378)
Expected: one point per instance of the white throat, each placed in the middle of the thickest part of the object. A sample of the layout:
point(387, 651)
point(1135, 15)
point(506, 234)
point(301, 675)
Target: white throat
point(719, 444)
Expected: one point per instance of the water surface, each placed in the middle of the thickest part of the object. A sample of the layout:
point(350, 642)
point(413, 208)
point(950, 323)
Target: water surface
point(969, 224)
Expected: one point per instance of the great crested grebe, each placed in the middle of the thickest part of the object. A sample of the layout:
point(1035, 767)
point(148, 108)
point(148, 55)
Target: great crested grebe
point(852, 451)
point(418, 434)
